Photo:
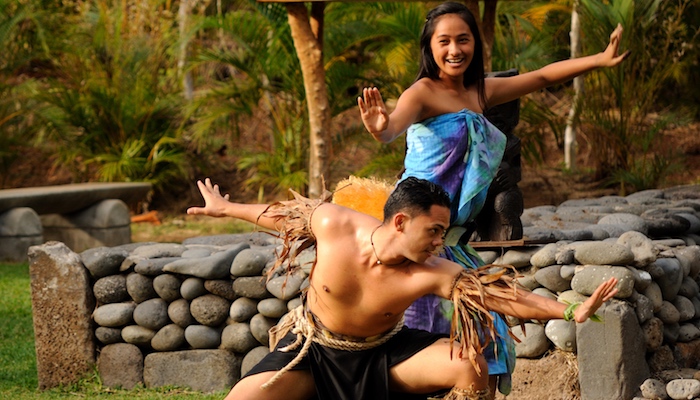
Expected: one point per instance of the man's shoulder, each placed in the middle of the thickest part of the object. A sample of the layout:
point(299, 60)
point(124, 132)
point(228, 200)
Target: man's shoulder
point(335, 217)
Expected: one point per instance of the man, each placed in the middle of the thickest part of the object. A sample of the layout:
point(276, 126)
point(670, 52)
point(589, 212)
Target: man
point(366, 274)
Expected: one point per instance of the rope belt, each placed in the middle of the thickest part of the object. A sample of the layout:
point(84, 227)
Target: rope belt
point(302, 323)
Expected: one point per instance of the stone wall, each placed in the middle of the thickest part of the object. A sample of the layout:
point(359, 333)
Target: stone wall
point(196, 314)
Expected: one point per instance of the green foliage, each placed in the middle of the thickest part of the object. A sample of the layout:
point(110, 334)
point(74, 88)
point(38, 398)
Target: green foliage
point(614, 114)
point(112, 114)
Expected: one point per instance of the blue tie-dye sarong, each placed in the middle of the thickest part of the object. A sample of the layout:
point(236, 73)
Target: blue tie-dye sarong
point(461, 152)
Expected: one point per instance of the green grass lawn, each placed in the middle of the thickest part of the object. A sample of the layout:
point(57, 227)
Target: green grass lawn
point(18, 376)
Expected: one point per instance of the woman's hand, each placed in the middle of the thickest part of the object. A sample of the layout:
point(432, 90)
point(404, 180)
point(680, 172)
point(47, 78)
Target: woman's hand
point(610, 57)
point(603, 293)
point(373, 111)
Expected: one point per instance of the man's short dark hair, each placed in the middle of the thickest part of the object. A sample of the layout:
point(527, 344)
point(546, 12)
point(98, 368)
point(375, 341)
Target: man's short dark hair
point(415, 196)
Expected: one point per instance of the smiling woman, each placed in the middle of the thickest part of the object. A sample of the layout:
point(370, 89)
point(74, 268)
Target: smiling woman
point(451, 143)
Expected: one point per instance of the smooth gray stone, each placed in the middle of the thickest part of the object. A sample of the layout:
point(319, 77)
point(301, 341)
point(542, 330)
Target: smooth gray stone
point(120, 366)
point(216, 266)
point(683, 389)
point(222, 288)
point(671, 333)
point(202, 337)
point(653, 331)
point(544, 292)
point(205, 371)
point(210, 310)
point(653, 389)
point(110, 289)
point(673, 225)
point(689, 288)
point(689, 257)
point(152, 266)
point(259, 327)
point(562, 334)
point(253, 357)
point(672, 278)
point(296, 302)
point(285, 287)
point(115, 314)
point(237, 337)
point(603, 253)
point(249, 263)
point(152, 314)
point(192, 288)
point(685, 308)
point(644, 195)
point(642, 279)
point(693, 220)
point(243, 309)
point(550, 277)
point(108, 335)
point(631, 222)
point(198, 252)
point(179, 313)
point(668, 313)
point(140, 287)
point(252, 238)
point(252, 287)
point(160, 250)
point(516, 258)
point(641, 246)
point(103, 261)
point(565, 255)
point(545, 256)
point(587, 280)
point(577, 234)
point(488, 256)
point(611, 230)
point(653, 293)
point(643, 307)
point(542, 234)
point(272, 307)
point(696, 304)
point(305, 260)
point(528, 281)
point(137, 335)
point(688, 333)
point(169, 338)
point(567, 272)
point(168, 287)
point(534, 344)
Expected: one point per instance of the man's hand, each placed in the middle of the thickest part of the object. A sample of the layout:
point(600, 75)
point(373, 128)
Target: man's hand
point(373, 111)
point(214, 203)
point(610, 57)
point(603, 293)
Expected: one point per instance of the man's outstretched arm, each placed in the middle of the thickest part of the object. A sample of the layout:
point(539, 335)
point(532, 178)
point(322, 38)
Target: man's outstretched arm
point(531, 306)
point(218, 205)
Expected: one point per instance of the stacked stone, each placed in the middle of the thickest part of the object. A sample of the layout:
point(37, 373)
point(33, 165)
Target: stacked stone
point(649, 242)
point(165, 310)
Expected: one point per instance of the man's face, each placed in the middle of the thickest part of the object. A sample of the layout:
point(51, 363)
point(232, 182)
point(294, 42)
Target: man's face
point(424, 233)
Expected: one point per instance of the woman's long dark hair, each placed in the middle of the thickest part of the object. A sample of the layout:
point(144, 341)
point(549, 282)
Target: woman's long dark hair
point(474, 75)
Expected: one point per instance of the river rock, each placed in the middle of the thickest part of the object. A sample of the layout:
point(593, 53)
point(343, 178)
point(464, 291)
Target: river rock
point(111, 289)
point(168, 287)
point(237, 337)
point(169, 338)
point(210, 310)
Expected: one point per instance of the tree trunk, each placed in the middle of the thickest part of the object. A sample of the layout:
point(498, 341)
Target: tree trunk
point(310, 52)
point(487, 24)
point(570, 131)
point(183, 15)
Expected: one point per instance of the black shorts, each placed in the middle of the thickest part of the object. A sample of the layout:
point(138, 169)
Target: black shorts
point(352, 375)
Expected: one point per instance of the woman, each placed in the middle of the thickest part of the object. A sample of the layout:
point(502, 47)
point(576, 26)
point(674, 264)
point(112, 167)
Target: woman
point(450, 142)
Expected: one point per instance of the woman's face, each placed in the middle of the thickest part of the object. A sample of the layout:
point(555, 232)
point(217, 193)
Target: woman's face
point(452, 45)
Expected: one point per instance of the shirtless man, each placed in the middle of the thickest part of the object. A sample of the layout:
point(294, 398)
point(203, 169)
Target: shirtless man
point(367, 273)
